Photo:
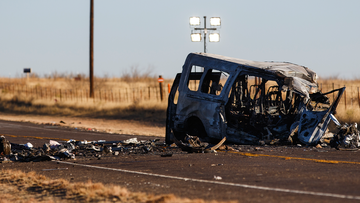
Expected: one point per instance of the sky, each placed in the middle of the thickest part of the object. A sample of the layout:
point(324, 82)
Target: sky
point(53, 36)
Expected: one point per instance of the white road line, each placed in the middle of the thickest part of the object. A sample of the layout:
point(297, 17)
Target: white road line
point(222, 183)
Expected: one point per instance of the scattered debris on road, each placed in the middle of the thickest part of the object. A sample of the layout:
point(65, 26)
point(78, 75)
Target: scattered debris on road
point(217, 177)
point(347, 138)
point(54, 150)
point(71, 149)
point(193, 144)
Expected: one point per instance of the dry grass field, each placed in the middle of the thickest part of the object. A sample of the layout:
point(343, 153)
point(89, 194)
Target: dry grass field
point(17, 186)
point(114, 98)
point(348, 110)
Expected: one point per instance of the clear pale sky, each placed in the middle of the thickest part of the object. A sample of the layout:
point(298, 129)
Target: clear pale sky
point(53, 35)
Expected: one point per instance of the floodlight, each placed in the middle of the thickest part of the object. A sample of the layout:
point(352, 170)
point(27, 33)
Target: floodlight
point(215, 21)
point(194, 21)
point(214, 37)
point(195, 37)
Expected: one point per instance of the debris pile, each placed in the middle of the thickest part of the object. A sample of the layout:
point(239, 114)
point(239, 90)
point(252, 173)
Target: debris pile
point(74, 149)
point(347, 138)
point(193, 144)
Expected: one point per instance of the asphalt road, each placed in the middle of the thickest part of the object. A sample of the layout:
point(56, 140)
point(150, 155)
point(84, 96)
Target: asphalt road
point(253, 174)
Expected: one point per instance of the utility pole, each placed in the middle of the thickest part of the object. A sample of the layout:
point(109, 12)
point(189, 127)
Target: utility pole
point(91, 77)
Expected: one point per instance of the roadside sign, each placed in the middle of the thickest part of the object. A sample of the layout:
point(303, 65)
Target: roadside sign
point(160, 79)
point(27, 70)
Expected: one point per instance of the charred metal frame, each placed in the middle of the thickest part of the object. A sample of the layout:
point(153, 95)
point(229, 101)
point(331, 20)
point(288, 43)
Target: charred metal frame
point(285, 102)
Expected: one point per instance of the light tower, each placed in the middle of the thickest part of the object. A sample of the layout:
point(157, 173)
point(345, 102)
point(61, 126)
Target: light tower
point(213, 35)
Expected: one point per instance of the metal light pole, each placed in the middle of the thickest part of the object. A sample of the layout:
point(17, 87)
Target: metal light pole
point(91, 77)
point(205, 32)
point(213, 37)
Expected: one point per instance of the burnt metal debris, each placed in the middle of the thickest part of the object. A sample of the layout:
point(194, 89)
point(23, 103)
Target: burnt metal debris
point(248, 102)
point(193, 144)
point(72, 149)
point(347, 137)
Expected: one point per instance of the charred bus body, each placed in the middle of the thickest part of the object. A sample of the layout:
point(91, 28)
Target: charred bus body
point(247, 101)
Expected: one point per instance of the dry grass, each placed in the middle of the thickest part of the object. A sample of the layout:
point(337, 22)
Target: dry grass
point(16, 186)
point(152, 112)
point(83, 83)
point(131, 107)
point(337, 82)
point(350, 112)
point(348, 115)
